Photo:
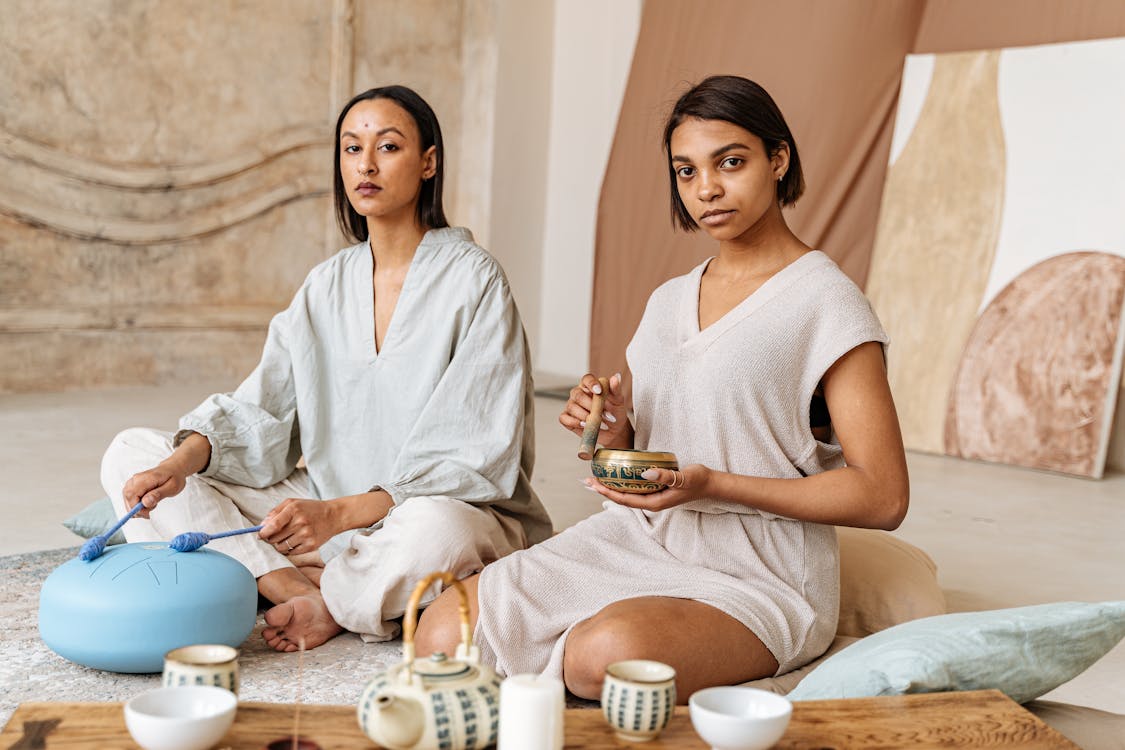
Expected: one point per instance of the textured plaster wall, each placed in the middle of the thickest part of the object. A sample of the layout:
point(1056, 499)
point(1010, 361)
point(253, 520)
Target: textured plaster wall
point(166, 169)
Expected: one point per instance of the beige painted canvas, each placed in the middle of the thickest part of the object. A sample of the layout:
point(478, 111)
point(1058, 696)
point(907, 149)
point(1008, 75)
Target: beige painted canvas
point(999, 264)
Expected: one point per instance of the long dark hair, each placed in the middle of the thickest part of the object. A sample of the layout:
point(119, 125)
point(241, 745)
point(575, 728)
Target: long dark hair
point(740, 102)
point(429, 210)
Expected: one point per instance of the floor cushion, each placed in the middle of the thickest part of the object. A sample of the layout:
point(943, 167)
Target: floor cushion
point(884, 581)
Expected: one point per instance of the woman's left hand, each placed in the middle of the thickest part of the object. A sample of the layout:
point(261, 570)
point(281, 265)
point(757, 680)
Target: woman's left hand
point(298, 526)
point(684, 485)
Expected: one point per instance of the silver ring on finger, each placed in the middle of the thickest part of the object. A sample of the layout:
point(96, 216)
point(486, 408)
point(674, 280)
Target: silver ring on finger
point(287, 544)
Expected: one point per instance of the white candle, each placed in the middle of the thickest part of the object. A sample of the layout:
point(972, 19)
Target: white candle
point(531, 713)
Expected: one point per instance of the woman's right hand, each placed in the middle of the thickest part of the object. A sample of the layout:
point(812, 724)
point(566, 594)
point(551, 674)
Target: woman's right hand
point(150, 487)
point(616, 431)
point(169, 477)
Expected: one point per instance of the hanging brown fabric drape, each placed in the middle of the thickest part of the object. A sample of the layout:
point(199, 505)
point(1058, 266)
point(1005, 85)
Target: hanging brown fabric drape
point(834, 68)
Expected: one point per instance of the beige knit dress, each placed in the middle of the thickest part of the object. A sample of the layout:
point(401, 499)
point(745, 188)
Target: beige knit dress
point(734, 397)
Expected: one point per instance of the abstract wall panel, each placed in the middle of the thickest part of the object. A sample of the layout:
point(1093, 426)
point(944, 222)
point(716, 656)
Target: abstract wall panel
point(999, 262)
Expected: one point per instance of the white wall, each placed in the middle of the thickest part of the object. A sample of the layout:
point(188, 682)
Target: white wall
point(593, 49)
point(554, 75)
point(523, 33)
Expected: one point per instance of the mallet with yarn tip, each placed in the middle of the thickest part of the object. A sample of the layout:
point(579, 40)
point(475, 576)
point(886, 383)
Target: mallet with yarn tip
point(593, 427)
point(190, 541)
point(95, 546)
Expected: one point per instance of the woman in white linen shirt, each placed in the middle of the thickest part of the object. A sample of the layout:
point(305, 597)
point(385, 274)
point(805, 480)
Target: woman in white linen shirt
point(762, 370)
point(399, 372)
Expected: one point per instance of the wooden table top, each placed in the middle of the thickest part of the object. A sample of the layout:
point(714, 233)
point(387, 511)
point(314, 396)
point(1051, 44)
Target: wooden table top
point(981, 719)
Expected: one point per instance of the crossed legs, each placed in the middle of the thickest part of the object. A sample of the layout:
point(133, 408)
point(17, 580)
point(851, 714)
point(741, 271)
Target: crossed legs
point(705, 646)
point(367, 587)
point(210, 505)
point(362, 589)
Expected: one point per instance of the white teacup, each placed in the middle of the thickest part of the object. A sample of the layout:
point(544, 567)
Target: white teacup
point(193, 717)
point(638, 697)
point(204, 664)
point(739, 717)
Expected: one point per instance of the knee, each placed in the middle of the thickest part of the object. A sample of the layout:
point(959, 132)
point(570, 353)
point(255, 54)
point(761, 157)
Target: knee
point(446, 526)
point(133, 450)
point(440, 515)
point(120, 446)
point(136, 443)
point(439, 628)
point(595, 644)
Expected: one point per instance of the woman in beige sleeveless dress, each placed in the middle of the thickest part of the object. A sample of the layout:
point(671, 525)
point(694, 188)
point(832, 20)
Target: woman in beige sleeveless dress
point(762, 370)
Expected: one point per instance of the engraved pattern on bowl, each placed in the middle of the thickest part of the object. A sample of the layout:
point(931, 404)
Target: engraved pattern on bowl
point(620, 469)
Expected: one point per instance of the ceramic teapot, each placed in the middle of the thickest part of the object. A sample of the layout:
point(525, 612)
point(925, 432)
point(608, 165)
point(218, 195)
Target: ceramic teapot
point(437, 703)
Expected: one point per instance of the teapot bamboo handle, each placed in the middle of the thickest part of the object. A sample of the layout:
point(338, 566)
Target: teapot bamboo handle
point(411, 616)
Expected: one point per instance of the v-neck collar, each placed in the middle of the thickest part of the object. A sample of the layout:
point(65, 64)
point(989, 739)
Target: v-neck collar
point(690, 332)
point(365, 279)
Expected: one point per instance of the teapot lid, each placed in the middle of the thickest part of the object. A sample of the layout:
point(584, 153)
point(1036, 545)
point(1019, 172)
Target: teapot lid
point(440, 667)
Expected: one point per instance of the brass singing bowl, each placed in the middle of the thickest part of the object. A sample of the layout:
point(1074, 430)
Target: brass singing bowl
point(621, 468)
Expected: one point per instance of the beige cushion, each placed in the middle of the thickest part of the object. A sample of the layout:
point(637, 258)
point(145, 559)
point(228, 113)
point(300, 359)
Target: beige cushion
point(884, 581)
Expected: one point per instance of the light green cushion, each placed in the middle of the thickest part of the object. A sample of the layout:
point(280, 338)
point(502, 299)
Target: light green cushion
point(96, 518)
point(1023, 652)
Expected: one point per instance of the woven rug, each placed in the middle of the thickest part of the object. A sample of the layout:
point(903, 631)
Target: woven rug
point(29, 671)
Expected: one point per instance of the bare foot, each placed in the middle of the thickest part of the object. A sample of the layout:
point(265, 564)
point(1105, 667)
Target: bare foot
point(301, 618)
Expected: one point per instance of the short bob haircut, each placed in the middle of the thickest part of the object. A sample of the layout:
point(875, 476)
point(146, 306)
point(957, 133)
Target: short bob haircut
point(429, 210)
point(740, 102)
